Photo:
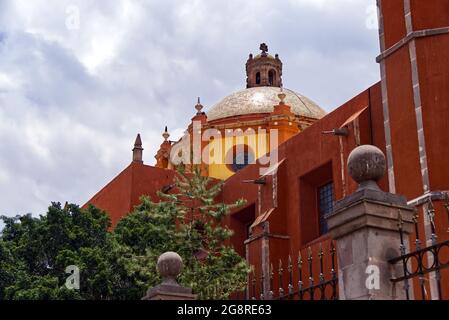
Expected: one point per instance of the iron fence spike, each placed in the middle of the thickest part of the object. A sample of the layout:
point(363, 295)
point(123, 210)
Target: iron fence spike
point(415, 217)
point(431, 214)
point(332, 248)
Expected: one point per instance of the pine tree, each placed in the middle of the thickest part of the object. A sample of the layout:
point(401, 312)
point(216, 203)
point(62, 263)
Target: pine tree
point(190, 222)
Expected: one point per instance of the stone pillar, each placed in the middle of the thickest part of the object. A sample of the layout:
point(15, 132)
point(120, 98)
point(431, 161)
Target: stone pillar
point(365, 227)
point(169, 266)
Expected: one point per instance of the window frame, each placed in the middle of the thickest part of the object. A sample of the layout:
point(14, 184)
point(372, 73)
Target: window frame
point(322, 216)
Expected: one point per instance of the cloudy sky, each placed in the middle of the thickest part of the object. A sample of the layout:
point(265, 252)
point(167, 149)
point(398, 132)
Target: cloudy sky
point(80, 78)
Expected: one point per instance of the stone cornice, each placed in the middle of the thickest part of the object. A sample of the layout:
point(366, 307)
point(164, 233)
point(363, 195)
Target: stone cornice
point(411, 36)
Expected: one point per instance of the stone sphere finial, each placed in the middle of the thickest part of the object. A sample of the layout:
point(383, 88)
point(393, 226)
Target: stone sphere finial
point(366, 165)
point(169, 266)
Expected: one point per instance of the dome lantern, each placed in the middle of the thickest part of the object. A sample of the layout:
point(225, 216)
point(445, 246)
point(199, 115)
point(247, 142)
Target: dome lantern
point(263, 70)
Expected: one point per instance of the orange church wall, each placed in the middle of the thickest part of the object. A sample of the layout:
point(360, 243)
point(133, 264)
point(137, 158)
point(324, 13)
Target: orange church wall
point(433, 58)
point(121, 195)
point(148, 180)
point(255, 259)
point(404, 138)
point(115, 197)
point(433, 67)
point(433, 71)
point(430, 14)
point(279, 251)
point(235, 189)
point(377, 125)
point(394, 22)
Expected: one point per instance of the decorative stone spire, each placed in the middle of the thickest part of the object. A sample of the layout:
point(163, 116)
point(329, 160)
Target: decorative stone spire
point(163, 154)
point(282, 97)
point(283, 119)
point(199, 107)
point(166, 135)
point(138, 150)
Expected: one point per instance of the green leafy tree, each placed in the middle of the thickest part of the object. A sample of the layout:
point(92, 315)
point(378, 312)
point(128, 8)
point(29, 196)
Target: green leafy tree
point(38, 250)
point(121, 264)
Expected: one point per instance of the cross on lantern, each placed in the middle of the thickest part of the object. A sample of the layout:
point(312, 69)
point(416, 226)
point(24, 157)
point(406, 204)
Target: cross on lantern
point(264, 48)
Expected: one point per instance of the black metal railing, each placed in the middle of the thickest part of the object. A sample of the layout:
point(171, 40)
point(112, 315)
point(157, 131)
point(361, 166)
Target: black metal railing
point(423, 261)
point(322, 288)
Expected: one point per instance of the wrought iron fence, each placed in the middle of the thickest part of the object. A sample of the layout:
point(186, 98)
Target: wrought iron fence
point(307, 287)
point(423, 261)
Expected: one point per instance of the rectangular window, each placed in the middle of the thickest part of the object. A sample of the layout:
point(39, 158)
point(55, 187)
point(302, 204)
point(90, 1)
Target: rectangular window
point(326, 204)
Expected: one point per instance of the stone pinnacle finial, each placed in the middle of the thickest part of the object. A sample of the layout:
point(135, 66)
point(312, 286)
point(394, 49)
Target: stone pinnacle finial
point(138, 142)
point(169, 266)
point(282, 97)
point(367, 165)
point(199, 107)
point(166, 135)
point(138, 150)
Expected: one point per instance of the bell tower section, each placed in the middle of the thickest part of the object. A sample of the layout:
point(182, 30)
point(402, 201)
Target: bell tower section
point(263, 70)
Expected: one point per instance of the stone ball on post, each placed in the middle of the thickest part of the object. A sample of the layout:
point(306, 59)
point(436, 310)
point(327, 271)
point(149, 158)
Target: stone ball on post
point(367, 165)
point(169, 265)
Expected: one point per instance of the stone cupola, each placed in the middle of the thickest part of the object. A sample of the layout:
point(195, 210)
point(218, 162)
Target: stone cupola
point(263, 70)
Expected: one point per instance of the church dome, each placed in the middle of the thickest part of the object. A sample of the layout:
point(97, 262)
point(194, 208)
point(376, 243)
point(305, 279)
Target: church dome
point(262, 100)
point(260, 55)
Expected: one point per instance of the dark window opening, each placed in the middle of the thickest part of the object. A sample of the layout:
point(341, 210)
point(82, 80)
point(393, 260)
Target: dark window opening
point(258, 78)
point(325, 205)
point(271, 78)
point(248, 230)
point(240, 222)
point(316, 196)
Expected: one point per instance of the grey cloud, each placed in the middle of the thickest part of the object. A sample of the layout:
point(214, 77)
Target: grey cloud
point(67, 127)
